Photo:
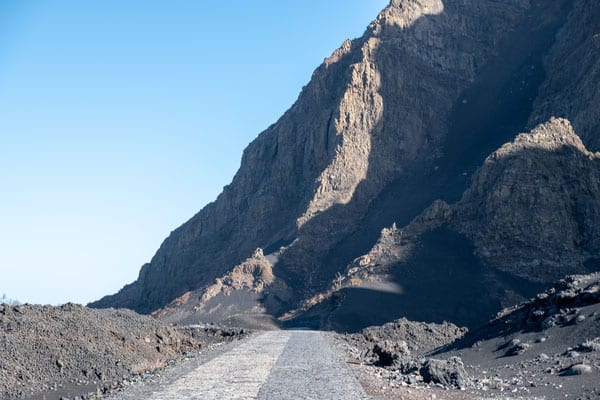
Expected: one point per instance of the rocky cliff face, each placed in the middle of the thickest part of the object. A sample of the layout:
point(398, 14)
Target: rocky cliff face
point(572, 66)
point(392, 122)
point(530, 215)
point(533, 208)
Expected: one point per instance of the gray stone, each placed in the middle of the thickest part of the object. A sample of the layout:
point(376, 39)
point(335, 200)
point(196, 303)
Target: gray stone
point(578, 369)
point(516, 347)
point(450, 372)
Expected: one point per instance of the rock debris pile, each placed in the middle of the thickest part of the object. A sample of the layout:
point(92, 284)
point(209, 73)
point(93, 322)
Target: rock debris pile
point(401, 346)
point(71, 348)
point(547, 347)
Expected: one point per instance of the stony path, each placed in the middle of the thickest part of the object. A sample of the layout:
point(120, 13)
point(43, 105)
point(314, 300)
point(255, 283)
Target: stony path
point(273, 365)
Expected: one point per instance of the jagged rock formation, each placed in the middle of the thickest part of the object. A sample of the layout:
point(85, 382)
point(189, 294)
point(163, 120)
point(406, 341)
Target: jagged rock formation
point(254, 274)
point(391, 123)
point(533, 208)
point(234, 298)
point(530, 216)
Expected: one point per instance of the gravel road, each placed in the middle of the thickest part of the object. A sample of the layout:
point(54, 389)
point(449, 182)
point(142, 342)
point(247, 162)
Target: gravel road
point(272, 365)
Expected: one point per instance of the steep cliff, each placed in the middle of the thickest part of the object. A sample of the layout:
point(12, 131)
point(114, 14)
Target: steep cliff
point(532, 208)
point(573, 72)
point(391, 122)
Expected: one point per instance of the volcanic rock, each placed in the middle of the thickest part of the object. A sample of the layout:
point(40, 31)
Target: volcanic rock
point(391, 129)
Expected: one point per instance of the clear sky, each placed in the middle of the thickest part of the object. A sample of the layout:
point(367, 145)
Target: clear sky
point(120, 119)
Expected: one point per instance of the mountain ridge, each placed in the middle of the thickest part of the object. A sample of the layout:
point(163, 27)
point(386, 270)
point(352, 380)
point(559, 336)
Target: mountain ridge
point(389, 123)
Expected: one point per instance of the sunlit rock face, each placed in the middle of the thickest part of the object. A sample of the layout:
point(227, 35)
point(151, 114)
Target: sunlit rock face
point(390, 129)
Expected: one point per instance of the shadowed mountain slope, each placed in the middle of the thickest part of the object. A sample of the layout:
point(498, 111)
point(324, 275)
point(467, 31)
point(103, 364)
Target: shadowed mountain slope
point(530, 216)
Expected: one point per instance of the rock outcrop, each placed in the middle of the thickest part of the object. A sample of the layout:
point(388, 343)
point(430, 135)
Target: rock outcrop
point(530, 217)
point(533, 209)
point(254, 274)
point(237, 296)
point(390, 129)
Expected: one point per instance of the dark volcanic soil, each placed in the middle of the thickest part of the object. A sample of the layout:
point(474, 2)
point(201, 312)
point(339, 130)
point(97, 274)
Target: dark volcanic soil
point(50, 352)
point(548, 347)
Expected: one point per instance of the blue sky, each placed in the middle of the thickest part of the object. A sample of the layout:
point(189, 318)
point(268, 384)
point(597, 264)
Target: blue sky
point(119, 120)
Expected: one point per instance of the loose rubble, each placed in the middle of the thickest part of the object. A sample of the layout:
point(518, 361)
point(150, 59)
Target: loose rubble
point(400, 348)
point(547, 347)
point(53, 352)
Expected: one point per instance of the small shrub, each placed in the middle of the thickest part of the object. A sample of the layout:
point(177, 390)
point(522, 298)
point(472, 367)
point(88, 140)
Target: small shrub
point(8, 301)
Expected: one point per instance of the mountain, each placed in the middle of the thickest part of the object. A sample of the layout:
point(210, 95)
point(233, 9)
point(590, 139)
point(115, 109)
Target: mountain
point(406, 127)
point(530, 216)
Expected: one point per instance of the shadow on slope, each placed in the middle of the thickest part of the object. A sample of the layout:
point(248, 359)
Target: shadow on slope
point(489, 112)
point(442, 281)
point(534, 208)
point(260, 206)
point(555, 309)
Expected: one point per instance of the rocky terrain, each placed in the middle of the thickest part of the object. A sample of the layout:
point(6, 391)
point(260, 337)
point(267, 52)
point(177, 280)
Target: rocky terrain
point(443, 167)
point(547, 347)
point(54, 352)
point(572, 71)
point(235, 299)
point(391, 128)
point(530, 216)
